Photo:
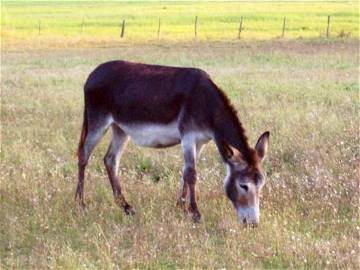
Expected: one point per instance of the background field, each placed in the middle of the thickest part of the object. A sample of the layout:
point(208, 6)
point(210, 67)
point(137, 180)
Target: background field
point(83, 23)
point(305, 91)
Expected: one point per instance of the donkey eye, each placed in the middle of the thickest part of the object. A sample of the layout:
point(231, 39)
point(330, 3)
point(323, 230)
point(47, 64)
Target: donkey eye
point(244, 187)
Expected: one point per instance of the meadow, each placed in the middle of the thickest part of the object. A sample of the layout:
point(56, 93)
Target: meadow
point(305, 91)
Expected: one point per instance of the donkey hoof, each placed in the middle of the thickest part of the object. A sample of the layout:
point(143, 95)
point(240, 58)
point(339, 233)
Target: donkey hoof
point(181, 203)
point(196, 217)
point(80, 204)
point(129, 210)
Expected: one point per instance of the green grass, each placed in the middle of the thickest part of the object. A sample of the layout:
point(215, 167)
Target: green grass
point(305, 92)
point(61, 22)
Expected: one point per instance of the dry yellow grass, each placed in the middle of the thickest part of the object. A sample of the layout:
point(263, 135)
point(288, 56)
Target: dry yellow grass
point(305, 92)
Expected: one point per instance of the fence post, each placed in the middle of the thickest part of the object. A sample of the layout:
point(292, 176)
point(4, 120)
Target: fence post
point(196, 23)
point(240, 27)
point(283, 30)
point(82, 25)
point(328, 27)
point(122, 29)
point(39, 27)
point(159, 28)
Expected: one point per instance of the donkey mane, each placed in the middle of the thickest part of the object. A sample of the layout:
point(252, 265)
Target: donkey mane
point(242, 144)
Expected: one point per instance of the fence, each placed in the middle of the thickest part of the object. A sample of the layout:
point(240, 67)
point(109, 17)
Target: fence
point(159, 24)
point(242, 22)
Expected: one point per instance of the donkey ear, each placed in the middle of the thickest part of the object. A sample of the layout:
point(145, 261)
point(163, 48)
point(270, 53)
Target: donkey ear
point(228, 153)
point(232, 154)
point(225, 150)
point(262, 145)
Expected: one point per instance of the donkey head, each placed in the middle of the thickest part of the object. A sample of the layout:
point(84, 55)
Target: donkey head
point(244, 181)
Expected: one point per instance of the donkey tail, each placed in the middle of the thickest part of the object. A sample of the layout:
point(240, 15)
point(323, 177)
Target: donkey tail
point(84, 133)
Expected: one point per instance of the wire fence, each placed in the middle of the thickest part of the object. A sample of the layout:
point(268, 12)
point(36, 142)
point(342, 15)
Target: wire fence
point(160, 28)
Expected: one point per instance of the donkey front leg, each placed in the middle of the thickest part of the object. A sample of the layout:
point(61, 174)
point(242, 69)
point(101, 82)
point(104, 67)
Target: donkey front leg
point(184, 187)
point(189, 175)
point(111, 160)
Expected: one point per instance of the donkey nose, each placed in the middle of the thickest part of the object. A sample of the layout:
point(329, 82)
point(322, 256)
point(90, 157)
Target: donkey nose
point(248, 215)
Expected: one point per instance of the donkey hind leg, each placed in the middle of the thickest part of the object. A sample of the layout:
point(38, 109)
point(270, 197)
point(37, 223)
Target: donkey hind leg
point(188, 144)
point(111, 160)
point(95, 133)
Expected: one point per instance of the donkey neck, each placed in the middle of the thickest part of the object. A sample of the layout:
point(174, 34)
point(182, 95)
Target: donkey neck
point(228, 129)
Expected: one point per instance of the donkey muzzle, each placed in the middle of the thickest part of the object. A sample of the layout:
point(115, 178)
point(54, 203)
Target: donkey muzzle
point(248, 215)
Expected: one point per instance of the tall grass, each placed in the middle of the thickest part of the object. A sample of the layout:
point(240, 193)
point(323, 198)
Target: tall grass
point(305, 92)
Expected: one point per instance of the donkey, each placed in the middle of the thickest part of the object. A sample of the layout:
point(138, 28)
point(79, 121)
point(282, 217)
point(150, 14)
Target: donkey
point(160, 106)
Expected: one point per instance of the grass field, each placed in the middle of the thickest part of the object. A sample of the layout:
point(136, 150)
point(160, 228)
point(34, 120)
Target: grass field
point(85, 24)
point(305, 92)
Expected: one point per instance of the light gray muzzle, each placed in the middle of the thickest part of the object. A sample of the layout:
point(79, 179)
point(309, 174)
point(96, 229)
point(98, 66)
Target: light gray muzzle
point(248, 215)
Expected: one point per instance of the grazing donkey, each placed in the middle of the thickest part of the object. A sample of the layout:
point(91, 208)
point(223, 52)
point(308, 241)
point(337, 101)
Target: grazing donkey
point(160, 106)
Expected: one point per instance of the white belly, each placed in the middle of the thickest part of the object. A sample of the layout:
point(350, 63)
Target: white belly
point(152, 135)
